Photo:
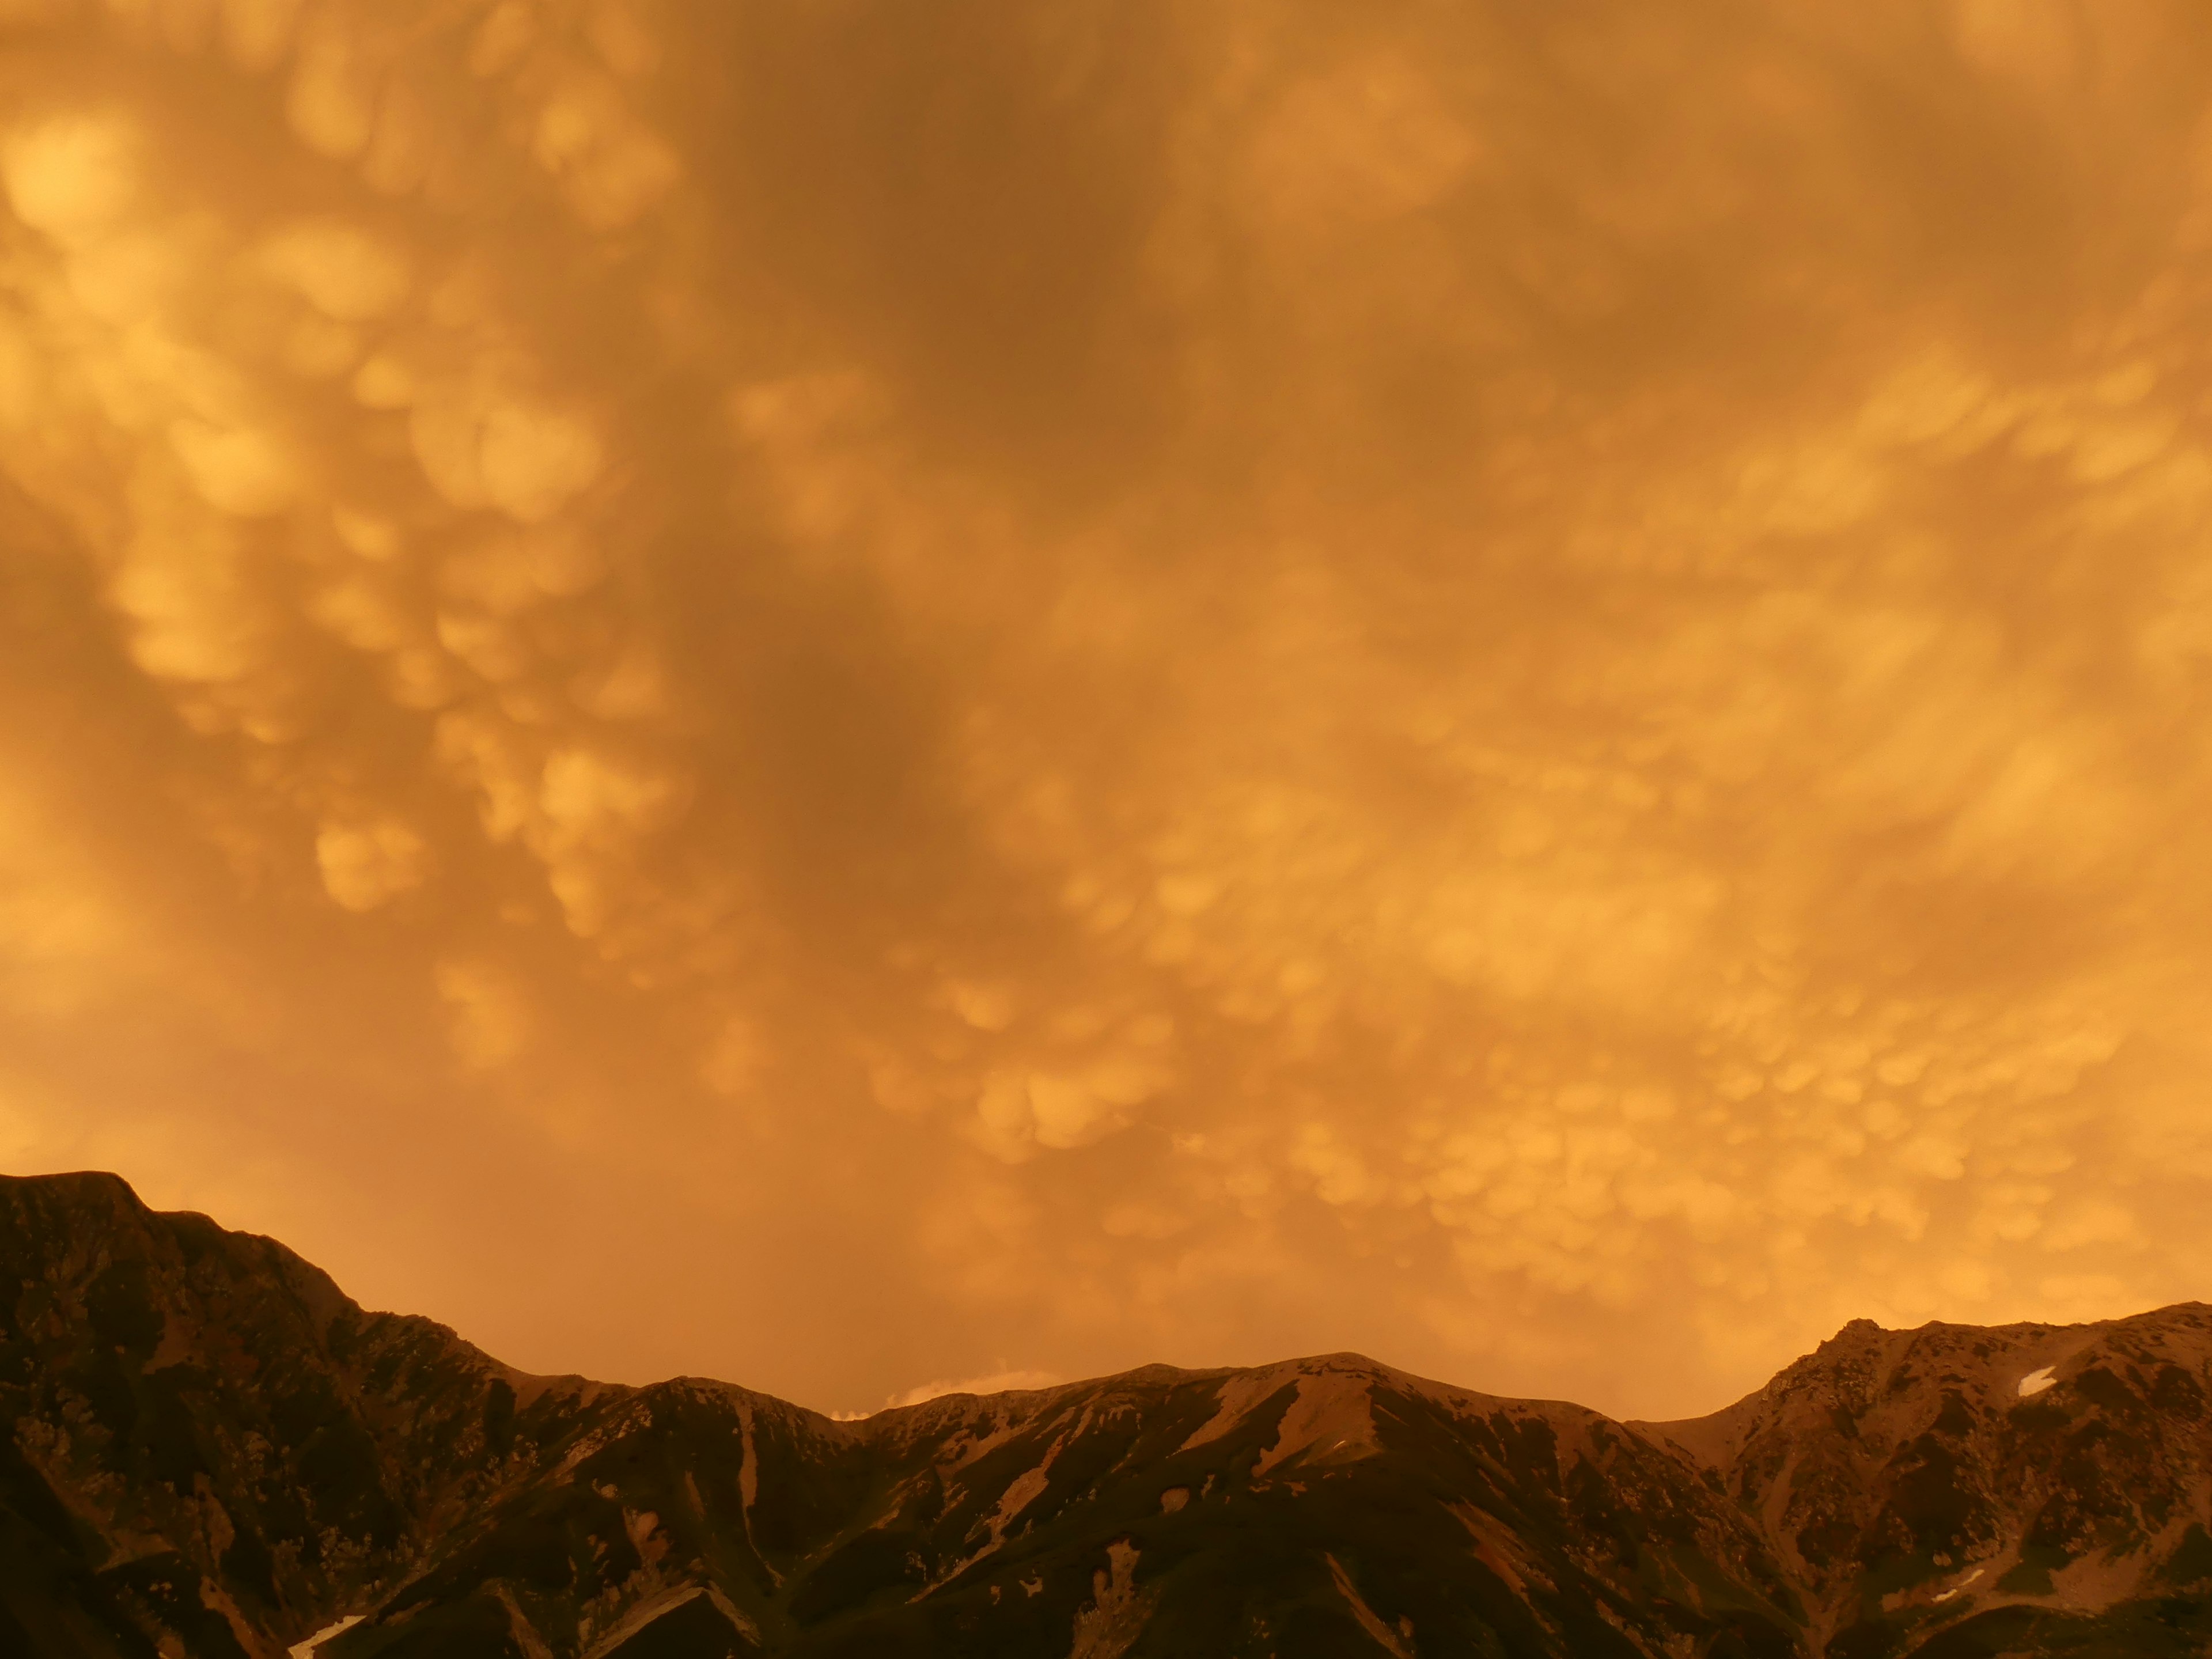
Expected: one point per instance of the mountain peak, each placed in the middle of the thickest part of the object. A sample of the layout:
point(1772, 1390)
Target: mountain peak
point(89, 1189)
point(218, 1453)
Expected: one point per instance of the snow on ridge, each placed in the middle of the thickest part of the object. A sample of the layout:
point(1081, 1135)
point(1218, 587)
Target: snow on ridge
point(1946, 1596)
point(306, 1649)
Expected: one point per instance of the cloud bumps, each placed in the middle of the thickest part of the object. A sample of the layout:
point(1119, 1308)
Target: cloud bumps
point(836, 701)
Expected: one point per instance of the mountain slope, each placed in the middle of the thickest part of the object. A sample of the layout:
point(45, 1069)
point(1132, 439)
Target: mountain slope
point(215, 1452)
point(2022, 1488)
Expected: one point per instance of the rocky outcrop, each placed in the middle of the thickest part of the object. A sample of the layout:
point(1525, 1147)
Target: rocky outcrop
point(215, 1452)
point(1957, 1489)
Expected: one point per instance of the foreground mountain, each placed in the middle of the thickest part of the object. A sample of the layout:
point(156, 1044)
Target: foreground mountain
point(215, 1453)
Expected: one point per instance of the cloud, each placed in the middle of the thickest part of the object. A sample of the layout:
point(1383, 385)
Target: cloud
point(347, 273)
point(72, 176)
point(1199, 682)
point(490, 1017)
point(1000, 1382)
point(368, 865)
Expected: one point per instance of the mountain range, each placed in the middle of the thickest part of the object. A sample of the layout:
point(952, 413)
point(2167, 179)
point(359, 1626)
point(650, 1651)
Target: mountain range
point(214, 1453)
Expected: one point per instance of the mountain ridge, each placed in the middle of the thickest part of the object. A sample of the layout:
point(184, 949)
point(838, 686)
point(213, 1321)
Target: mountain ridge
point(215, 1452)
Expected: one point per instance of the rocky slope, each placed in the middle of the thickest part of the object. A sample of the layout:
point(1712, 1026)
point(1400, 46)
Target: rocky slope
point(1959, 1490)
point(215, 1452)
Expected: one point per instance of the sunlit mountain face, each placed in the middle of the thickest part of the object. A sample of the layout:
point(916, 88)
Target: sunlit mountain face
point(847, 694)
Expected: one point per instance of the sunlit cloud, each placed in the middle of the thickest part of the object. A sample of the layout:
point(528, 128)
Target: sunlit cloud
point(836, 698)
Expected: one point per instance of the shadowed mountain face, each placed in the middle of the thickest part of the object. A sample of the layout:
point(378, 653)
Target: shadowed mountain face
point(215, 1453)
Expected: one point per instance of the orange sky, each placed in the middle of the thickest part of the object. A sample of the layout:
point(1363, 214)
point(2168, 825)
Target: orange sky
point(855, 695)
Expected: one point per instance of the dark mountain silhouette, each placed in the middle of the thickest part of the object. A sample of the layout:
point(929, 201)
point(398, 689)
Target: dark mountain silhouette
point(215, 1452)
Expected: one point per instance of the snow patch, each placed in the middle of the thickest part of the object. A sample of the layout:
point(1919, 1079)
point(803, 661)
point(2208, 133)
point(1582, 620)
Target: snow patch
point(1109, 1627)
point(1385, 1637)
point(1330, 1418)
point(2036, 1381)
point(652, 1608)
point(1330, 1410)
point(306, 1649)
point(1945, 1596)
point(1023, 1490)
point(1238, 1395)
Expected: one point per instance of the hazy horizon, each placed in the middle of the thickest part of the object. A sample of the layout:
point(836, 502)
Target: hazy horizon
point(843, 697)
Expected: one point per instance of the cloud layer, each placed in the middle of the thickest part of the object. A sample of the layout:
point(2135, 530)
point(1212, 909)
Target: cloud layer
point(836, 696)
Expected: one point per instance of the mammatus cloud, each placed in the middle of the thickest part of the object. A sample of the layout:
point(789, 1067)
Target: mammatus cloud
point(833, 699)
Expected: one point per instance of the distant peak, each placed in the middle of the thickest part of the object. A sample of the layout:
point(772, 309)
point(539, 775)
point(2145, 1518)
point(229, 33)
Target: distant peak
point(1857, 1331)
point(100, 1187)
